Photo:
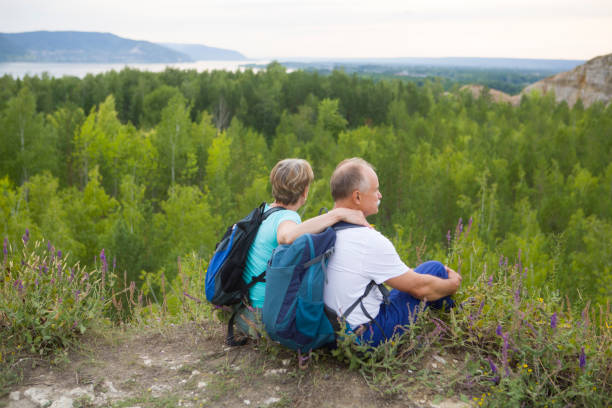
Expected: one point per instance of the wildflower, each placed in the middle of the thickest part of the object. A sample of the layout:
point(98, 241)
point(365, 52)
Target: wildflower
point(582, 358)
point(525, 366)
point(76, 295)
point(448, 237)
point(469, 226)
point(492, 365)
point(553, 321)
point(114, 262)
point(36, 282)
point(501, 260)
point(498, 331)
point(74, 325)
point(517, 296)
point(59, 253)
point(540, 300)
point(49, 246)
point(26, 237)
point(490, 282)
point(5, 247)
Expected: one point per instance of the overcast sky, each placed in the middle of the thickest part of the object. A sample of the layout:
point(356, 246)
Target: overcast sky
point(558, 29)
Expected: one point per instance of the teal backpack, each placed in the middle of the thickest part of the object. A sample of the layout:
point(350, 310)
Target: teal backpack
point(293, 312)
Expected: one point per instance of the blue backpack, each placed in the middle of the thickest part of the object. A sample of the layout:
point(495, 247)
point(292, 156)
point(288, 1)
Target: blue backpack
point(294, 313)
point(224, 285)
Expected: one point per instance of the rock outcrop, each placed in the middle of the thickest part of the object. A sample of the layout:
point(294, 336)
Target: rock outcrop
point(590, 82)
point(496, 96)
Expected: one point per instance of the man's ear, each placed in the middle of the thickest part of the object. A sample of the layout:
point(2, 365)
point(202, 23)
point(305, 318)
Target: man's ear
point(356, 197)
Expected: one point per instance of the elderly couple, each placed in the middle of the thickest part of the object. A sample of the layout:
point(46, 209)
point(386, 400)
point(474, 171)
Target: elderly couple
point(361, 254)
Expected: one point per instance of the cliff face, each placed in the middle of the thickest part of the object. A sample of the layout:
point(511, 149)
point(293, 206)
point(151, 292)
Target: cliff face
point(590, 82)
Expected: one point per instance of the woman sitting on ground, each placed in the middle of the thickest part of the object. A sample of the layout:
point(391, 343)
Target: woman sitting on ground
point(290, 180)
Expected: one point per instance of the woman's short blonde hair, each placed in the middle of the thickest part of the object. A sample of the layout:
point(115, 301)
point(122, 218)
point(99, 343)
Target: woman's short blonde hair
point(289, 179)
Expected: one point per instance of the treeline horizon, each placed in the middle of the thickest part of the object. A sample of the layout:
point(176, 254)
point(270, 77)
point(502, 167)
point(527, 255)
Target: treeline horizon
point(154, 166)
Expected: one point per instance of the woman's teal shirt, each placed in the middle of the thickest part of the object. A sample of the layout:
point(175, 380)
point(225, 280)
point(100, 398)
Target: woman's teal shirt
point(261, 251)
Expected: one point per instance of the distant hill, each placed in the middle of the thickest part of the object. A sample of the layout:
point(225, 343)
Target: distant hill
point(203, 53)
point(590, 82)
point(79, 46)
point(546, 65)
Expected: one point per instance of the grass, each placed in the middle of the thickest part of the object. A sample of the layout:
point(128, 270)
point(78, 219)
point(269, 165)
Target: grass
point(508, 344)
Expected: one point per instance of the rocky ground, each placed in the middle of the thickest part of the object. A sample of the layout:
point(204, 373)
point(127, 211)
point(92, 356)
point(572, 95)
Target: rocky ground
point(189, 366)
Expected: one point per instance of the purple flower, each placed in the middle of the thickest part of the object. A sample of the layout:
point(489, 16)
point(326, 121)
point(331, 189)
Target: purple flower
point(553, 321)
point(459, 228)
point(501, 260)
point(490, 282)
point(469, 226)
point(59, 253)
point(5, 247)
point(74, 325)
point(49, 246)
point(582, 358)
point(448, 237)
point(585, 317)
point(492, 365)
point(498, 331)
point(114, 262)
point(76, 295)
point(26, 237)
point(52, 281)
point(60, 300)
point(103, 260)
point(36, 282)
point(517, 296)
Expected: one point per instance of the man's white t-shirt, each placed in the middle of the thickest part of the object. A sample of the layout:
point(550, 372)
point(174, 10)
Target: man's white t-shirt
point(360, 256)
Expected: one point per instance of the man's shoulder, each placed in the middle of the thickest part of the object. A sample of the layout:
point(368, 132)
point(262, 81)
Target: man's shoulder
point(367, 235)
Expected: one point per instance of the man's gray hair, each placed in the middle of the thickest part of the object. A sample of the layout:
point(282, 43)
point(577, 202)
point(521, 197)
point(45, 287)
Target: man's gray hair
point(349, 176)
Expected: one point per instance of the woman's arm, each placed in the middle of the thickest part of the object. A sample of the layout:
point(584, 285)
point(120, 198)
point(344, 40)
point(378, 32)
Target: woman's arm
point(288, 231)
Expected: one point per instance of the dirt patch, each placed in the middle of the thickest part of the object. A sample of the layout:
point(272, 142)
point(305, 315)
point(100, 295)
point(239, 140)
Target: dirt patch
point(189, 366)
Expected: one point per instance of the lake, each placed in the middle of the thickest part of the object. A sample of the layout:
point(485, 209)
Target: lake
point(57, 69)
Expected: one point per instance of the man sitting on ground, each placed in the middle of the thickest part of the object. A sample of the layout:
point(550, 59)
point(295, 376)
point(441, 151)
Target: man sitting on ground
point(363, 255)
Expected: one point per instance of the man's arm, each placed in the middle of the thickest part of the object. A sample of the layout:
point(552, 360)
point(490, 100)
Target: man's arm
point(426, 287)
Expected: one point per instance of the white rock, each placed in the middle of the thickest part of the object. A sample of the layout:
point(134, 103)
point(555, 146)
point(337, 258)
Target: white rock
point(202, 384)
point(194, 373)
point(109, 385)
point(157, 390)
point(286, 362)
point(62, 402)
point(434, 365)
point(247, 402)
point(38, 396)
point(450, 404)
point(14, 396)
point(79, 392)
point(439, 359)
point(271, 400)
point(275, 371)
point(147, 362)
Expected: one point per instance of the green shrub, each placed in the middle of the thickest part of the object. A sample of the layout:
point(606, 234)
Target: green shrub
point(44, 302)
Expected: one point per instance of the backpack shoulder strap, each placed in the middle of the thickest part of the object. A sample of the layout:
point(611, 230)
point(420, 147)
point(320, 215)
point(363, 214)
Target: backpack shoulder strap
point(339, 226)
point(271, 211)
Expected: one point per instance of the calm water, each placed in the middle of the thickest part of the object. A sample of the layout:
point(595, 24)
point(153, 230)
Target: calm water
point(21, 69)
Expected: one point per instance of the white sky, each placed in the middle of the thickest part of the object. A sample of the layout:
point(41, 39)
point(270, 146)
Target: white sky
point(559, 29)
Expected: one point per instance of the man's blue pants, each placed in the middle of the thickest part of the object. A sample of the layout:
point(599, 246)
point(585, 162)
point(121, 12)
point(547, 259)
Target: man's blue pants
point(402, 309)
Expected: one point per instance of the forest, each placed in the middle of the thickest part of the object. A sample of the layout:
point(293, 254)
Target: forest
point(150, 167)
